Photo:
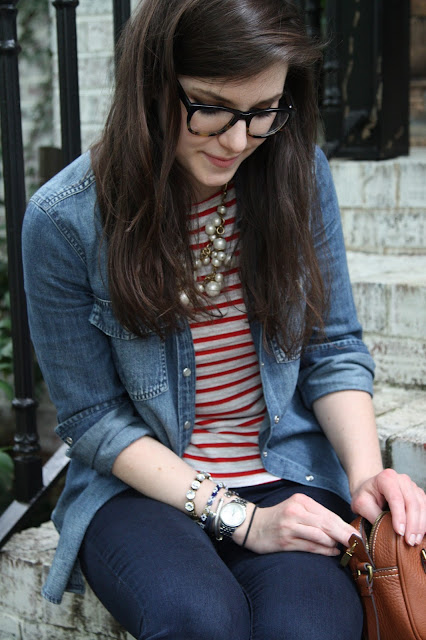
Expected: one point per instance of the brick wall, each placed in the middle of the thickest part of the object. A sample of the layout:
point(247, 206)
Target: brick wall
point(96, 67)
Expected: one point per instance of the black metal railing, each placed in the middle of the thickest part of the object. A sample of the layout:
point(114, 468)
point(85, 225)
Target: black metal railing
point(31, 480)
point(27, 461)
point(364, 105)
point(66, 30)
point(365, 79)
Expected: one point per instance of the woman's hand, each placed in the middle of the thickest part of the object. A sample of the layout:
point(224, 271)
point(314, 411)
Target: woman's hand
point(297, 524)
point(406, 501)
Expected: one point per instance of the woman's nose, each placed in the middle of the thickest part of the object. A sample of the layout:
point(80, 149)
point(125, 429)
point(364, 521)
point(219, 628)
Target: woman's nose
point(235, 139)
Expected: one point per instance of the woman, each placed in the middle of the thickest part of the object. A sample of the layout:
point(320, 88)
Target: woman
point(192, 313)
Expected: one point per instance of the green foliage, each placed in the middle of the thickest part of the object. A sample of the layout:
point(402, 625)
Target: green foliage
point(6, 478)
point(6, 349)
point(28, 15)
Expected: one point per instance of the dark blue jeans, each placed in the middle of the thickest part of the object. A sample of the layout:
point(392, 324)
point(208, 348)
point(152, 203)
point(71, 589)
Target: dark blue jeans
point(161, 576)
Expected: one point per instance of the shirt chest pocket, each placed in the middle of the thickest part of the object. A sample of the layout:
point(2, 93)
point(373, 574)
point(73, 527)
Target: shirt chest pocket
point(140, 361)
point(279, 353)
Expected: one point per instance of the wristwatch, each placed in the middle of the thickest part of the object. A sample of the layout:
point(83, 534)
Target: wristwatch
point(231, 516)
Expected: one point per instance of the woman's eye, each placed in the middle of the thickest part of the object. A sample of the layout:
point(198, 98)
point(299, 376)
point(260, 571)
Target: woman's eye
point(209, 112)
point(265, 114)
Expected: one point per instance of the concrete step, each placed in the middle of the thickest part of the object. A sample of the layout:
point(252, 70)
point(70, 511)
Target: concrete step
point(390, 295)
point(383, 204)
point(397, 183)
point(388, 231)
point(401, 424)
point(26, 615)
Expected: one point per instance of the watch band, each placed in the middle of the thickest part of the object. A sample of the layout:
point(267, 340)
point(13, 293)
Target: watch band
point(216, 523)
point(226, 530)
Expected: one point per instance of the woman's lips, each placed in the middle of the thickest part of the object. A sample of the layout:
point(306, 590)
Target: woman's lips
point(223, 163)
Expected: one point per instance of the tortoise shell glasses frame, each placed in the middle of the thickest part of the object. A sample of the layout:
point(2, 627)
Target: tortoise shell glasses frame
point(284, 113)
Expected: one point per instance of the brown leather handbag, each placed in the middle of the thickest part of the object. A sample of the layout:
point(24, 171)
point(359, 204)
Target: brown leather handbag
point(391, 579)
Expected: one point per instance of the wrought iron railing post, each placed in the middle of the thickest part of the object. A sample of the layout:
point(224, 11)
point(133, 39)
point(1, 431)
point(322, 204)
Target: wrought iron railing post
point(68, 78)
point(28, 468)
point(313, 17)
point(121, 12)
point(332, 106)
point(366, 79)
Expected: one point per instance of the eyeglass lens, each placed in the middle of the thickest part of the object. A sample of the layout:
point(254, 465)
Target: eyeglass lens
point(210, 121)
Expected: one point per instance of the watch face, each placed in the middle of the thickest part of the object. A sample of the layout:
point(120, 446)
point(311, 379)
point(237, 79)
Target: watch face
point(233, 514)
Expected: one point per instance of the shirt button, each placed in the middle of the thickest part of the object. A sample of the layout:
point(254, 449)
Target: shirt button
point(277, 419)
point(265, 454)
point(262, 364)
point(187, 425)
point(69, 441)
point(309, 478)
point(187, 372)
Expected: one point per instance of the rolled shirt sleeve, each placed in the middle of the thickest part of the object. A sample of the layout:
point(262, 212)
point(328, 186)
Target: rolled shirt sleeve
point(339, 360)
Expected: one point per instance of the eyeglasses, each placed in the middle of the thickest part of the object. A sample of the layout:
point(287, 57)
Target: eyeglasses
point(211, 120)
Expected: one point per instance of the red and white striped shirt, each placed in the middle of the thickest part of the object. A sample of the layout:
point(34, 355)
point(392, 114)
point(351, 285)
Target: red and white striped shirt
point(229, 406)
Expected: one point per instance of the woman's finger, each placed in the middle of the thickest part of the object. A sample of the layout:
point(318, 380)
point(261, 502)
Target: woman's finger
point(314, 535)
point(406, 501)
point(301, 544)
point(310, 518)
point(415, 507)
point(390, 485)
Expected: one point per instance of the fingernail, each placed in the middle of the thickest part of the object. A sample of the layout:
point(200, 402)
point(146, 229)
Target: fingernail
point(401, 529)
point(412, 540)
point(419, 539)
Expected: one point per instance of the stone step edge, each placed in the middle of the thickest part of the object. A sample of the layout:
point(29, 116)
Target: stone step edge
point(386, 269)
point(385, 232)
point(400, 362)
point(26, 615)
point(398, 182)
point(401, 425)
point(390, 294)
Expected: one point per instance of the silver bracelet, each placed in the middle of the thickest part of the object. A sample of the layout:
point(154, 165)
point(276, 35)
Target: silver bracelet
point(229, 493)
point(190, 494)
point(216, 522)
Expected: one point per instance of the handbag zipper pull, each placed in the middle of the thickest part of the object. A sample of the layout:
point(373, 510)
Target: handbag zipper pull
point(348, 554)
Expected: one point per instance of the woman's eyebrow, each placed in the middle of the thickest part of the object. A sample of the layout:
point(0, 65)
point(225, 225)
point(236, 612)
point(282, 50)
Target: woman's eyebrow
point(206, 94)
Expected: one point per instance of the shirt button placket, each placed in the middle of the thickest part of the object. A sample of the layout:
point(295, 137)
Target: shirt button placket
point(186, 374)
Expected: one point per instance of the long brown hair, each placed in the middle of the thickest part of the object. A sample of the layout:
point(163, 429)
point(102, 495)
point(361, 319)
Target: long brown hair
point(145, 195)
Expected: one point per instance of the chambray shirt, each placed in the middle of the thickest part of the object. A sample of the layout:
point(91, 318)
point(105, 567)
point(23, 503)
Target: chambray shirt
point(111, 387)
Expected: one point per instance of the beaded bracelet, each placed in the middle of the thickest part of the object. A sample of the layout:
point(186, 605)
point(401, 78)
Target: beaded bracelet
point(190, 494)
point(207, 510)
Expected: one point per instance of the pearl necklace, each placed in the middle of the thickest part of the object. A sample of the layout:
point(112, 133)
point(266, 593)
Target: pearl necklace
point(214, 252)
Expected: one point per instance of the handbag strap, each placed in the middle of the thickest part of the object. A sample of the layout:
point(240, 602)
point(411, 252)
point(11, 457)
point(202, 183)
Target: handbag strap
point(362, 566)
point(365, 587)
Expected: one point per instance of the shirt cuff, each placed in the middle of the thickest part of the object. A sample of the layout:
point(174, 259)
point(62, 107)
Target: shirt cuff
point(104, 435)
point(337, 373)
